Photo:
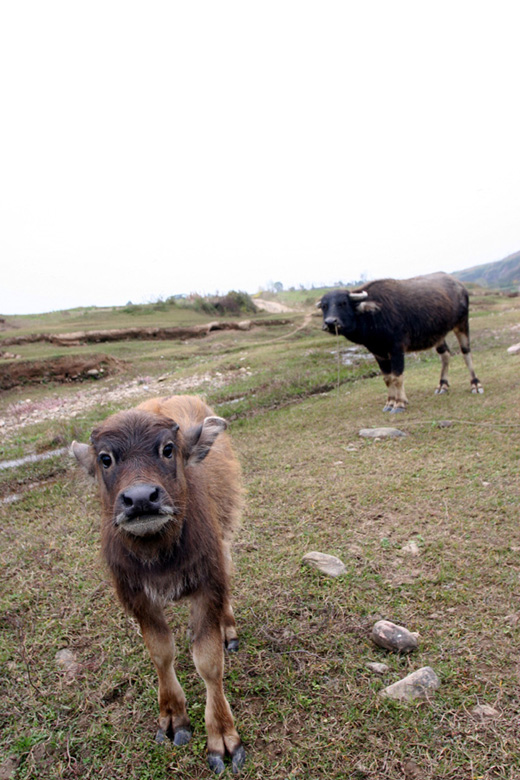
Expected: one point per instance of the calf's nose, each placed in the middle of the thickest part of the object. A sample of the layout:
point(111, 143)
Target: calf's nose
point(141, 499)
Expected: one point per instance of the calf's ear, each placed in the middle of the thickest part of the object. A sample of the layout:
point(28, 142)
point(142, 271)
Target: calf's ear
point(200, 438)
point(85, 456)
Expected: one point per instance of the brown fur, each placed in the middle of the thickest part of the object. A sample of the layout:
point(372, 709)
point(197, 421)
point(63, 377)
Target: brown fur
point(196, 492)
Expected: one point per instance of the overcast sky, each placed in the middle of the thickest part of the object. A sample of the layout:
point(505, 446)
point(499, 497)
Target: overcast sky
point(154, 148)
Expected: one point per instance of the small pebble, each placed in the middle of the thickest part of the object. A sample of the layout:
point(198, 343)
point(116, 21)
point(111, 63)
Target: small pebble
point(377, 668)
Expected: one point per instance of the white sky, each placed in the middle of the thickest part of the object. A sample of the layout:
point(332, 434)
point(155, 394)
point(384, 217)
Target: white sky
point(161, 147)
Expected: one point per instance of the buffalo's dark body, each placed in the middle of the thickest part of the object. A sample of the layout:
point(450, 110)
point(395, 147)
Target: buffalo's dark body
point(391, 317)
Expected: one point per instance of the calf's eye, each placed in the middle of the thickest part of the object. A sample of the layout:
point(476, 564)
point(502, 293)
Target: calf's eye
point(105, 460)
point(168, 450)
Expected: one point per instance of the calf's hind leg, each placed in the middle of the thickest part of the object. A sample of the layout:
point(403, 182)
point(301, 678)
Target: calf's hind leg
point(208, 656)
point(229, 629)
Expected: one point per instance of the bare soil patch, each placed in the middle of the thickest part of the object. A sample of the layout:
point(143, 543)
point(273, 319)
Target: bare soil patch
point(80, 337)
point(58, 369)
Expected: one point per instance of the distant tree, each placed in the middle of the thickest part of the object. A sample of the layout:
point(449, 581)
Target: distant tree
point(278, 287)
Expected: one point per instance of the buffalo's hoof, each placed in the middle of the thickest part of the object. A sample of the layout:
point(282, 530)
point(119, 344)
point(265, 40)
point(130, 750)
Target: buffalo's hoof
point(479, 390)
point(398, 409)
point(441, 390)
point(216, 763)
point(181, 736)
point(232, 646)
point(387, 408)
point(238, 759)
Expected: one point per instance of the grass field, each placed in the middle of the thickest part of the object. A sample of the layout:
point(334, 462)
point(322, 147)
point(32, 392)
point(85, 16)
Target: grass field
point(304, 701)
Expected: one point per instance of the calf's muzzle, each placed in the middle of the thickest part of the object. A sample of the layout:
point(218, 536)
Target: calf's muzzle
point(143, 509)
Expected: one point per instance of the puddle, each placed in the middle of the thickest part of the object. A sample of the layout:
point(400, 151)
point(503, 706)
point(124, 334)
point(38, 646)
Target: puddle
point(350, 356)
point(13, 464)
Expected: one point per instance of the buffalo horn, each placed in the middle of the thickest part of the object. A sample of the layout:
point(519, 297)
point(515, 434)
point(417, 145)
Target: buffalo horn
point(358, 296)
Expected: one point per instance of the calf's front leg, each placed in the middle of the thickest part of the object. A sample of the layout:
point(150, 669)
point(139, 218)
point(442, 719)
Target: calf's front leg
point(173, 718)
point(208, 657)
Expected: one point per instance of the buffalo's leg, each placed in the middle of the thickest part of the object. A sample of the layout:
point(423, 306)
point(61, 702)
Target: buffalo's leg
point(209, 661)
point(397, 380)
point(401, 401)
point(386, 369)
point(444, 353)
point(462, 333)
point(173, 718)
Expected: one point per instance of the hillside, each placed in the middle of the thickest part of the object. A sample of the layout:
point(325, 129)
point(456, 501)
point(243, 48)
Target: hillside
point(503, 274)
point(426, 525)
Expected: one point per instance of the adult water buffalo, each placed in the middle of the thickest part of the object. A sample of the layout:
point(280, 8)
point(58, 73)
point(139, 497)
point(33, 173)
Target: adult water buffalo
point(171, 497)
point(391, 317)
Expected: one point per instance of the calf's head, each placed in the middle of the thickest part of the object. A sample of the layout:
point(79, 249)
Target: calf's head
point(139, 459)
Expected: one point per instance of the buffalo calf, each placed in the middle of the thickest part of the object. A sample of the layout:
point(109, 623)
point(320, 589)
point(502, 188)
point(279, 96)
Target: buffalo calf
point(391, 317)
point(171, 497)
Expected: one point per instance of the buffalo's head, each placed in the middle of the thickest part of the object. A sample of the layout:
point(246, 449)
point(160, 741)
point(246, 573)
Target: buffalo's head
point(139, 460)
point(340, 309)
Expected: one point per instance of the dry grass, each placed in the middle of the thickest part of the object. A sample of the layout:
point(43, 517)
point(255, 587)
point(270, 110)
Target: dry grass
point(305, 703)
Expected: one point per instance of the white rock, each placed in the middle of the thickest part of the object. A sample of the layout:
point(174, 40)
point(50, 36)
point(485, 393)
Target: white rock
point(514, 349)
point(393, 637)
point(412, 548)
point(381, 433)
point(417, 685)
point(328, 564)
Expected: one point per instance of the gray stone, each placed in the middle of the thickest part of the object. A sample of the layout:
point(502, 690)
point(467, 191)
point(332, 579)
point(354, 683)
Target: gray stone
point(417, 685)
point(381, 433)
point(328, 564)
point(393, 637)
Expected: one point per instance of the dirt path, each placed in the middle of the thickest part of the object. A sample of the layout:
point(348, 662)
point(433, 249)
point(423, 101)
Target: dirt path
point(273, 307)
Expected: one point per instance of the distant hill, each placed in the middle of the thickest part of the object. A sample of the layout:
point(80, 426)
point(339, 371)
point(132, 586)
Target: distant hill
point(503, 274)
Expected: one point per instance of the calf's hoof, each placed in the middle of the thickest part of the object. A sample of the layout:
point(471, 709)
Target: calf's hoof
point(479, 390)
point(216, 763)
point(238, 759)
point(232, 646)
point(388, 408)
point(441, 390)
point(181, 736)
